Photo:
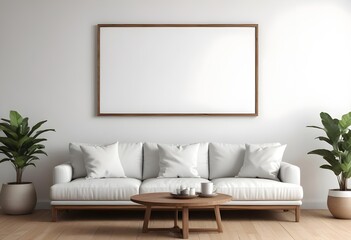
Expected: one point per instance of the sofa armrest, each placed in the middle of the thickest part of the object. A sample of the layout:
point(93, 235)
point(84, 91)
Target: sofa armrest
point(289, 173)
point(63, 173)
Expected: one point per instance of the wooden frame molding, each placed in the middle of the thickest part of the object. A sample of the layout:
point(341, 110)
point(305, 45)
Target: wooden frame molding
point(55, 209)
point(255, 26)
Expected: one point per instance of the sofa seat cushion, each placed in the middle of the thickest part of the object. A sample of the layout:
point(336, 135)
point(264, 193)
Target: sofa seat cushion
point(256, 189)
point(107, 189)
point(170, 184)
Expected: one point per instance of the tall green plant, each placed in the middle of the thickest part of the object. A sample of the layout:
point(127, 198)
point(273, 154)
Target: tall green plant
point(338, 136)
point(21, 143)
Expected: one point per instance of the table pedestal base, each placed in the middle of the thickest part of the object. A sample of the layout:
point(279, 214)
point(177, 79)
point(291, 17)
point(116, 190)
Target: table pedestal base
point(184, 231)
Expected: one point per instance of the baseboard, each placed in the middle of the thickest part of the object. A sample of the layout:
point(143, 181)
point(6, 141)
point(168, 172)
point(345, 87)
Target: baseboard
point(43, 205)
point(313, 204)
point(306, 204)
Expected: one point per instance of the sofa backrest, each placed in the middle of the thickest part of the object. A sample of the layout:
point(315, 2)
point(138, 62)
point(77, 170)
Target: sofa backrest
point(131, 156)
point(225, 160)
point(151, 160)
point(141, 160)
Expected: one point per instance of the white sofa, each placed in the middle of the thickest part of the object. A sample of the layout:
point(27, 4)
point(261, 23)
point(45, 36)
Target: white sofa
point(217, 162)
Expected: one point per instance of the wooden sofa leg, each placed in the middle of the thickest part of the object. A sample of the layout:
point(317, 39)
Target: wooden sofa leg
point(297, 214)
point(54, 214)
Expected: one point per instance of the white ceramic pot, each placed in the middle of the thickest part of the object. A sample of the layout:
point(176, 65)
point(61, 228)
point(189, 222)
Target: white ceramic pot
point(18, 199)
point(339, 203)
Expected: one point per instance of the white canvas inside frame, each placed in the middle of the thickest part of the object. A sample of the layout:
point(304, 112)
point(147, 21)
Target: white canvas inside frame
point(177, 70)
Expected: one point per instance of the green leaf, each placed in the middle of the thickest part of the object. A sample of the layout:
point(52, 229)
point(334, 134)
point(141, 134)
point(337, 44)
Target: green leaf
point(36, 126)
point(29, 164)
point(22, 140)
point(11, 135)
point(40, 146)
point(345, 121)
point(331, 127)
point(327, 155)
point(31, 142)
point(33, 158)
point(335, 169)
point(35, 147)
point(38, 140)
point(9, 130)
point(6, 120)
point(341, 148)
point(20, 161)
point(5, 160)
point(347, 158)
point(316, 127)
point(5, 150)
point(40, 152)
point(6, 126)
point(323, 153)
point(346, 144)
point(325, 166)
point(24, 129)
point(325, 139)
point(15, 118)
point(10, 143)
point(345, 167)
point(348, 174)
point(42, 131)
point(31, 149)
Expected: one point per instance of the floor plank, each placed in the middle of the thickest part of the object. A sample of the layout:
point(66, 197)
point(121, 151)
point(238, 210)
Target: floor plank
point(237, 225)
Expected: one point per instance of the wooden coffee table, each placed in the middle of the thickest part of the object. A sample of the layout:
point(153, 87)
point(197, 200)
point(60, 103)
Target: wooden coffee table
point(166, 200)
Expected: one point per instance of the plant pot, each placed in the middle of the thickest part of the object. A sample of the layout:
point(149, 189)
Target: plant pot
point(18, 198)
point(339, 203)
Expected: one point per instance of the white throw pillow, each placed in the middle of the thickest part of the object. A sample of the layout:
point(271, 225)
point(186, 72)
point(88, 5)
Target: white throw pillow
point(178, 161)
point(102, 161)
point(262, 162)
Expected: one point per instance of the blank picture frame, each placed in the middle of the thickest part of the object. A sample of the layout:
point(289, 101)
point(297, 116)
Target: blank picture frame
point(177, 70)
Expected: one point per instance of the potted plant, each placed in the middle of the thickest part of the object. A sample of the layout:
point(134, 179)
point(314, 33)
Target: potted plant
point(338, 157)
point(21, 145)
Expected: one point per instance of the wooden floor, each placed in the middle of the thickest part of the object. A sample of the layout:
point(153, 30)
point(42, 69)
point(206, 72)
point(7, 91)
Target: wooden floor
point(237, 225)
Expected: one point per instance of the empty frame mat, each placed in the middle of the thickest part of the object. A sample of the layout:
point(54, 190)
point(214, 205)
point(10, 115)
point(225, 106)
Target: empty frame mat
point(177, 69)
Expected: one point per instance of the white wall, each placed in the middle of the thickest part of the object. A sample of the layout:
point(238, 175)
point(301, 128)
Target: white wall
point(48, 71)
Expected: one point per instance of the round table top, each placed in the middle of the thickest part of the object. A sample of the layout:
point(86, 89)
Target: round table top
point(166, 199)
